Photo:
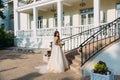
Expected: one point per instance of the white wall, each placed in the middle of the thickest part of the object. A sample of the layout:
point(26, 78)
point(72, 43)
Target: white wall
point(110, 56)
point(24, 21)
point(109, 8)
point(33, 42)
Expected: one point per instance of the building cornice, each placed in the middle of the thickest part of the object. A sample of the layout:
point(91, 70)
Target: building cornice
point(35, 4)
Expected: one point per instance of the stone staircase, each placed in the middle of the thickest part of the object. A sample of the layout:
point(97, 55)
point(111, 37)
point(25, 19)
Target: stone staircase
point(74, 62)
point(75, 66)
point(74, 57)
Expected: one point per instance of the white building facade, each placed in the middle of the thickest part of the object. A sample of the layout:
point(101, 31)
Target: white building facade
point(36, 20)
point(8, 11)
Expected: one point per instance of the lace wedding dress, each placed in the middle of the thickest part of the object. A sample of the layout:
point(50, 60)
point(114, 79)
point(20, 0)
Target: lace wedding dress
point(57, 62)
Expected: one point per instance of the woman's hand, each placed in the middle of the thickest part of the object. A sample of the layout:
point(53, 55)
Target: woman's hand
point(60, 45)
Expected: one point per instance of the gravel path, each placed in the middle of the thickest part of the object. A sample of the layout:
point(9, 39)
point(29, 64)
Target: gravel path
point(20, 66)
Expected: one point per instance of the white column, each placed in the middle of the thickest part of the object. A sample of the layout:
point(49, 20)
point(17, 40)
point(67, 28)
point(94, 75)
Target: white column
point(16, 18)
point(59, 16)
point(35, 19)
point(96, 13)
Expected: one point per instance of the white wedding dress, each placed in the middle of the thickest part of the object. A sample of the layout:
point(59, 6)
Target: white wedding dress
point(57, 62)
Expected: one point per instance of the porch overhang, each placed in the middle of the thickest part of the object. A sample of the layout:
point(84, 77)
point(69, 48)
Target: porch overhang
point(36, 4)
point(42, 5)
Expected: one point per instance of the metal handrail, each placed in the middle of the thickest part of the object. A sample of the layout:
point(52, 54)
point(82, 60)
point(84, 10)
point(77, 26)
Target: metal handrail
point(80, 36)
point(107, 34)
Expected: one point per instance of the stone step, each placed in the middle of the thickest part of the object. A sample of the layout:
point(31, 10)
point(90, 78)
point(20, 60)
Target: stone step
point(78, 75)
point(78, 57)
point(75, 68)
point(76, 71)
point(76, 62)
point(70, 60)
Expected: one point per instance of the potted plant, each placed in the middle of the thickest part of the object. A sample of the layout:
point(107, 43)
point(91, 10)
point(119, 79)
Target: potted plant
point(101, 72)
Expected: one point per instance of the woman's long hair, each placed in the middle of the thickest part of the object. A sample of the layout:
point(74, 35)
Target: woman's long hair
point(55, 34)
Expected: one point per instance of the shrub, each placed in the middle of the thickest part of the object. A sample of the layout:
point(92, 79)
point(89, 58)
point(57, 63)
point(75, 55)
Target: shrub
point(101, 68)
point(6, 38)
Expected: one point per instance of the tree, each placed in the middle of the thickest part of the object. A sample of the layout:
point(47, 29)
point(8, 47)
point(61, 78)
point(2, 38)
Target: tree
point(1, 10)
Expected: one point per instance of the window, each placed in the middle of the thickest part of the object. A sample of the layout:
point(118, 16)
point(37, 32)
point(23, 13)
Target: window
point(40, 22)
point(90, 18)
point(63, 19)
point(118, 10)
point(47, 23)
point(86, 16)
point(11, 16)
point(55, 19)
point(71, 21)
point(83, 19)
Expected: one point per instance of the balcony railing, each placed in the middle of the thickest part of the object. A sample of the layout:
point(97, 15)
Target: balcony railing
point(45, 32)
point(72, 30)
point(25, 2)
point(25, 33)
point(49, 32)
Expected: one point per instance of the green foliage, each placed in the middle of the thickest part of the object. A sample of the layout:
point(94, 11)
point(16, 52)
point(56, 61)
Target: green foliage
point(6, 38)
point(101, 68)
point(1, 8)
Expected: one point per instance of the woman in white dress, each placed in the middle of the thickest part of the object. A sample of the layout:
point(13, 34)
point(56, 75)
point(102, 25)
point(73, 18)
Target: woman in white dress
point(57, 62)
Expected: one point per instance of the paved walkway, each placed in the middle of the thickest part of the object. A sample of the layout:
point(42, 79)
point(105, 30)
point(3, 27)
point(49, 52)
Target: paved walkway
point(20, 66)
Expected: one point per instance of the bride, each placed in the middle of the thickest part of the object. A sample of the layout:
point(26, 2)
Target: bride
point(57, 62)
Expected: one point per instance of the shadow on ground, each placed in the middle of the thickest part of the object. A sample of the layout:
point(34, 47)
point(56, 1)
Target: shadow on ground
point(30, 76)
point(10, 55)
point(68, 78)
point(117, 77)
point(86, 78)
point(8, 69)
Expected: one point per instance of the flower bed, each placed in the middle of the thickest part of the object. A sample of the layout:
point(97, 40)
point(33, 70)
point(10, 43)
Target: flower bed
point(101, 72)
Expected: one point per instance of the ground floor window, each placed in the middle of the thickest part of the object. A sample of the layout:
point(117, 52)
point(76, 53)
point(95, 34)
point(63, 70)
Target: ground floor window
point(86, 16)
point(71, 21)
point(83, 19)
point(47, 24)
point(40, 22)
point(90, 18)
point(55, 19)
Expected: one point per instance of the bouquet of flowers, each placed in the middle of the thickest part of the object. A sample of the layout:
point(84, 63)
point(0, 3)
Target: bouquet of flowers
point(61, 43)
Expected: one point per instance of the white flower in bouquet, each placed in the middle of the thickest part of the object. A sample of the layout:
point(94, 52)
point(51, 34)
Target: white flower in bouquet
point(61, 42)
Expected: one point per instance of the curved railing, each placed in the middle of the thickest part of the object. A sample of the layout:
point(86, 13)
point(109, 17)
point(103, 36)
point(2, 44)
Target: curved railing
point(106, 34)
point(73, 42)
point(91, 41)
